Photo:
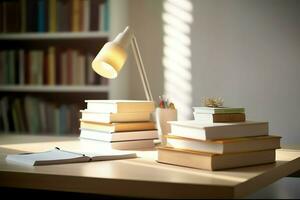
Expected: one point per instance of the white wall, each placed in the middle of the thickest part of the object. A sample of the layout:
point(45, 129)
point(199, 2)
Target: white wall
point(247, 52)
point(145, 20)
point(119, 87)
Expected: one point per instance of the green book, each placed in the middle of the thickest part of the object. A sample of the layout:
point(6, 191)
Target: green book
point(219, 110)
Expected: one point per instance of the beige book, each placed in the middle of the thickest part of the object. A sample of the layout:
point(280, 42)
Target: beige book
point(92, 116)
point(234, 145)
point(208, 161)
point(117, 127)
point(214, 131)
point(120, 106)
point(118, 136)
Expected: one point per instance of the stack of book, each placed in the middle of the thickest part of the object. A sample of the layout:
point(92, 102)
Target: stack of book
point(119, 124)
point(205, 144)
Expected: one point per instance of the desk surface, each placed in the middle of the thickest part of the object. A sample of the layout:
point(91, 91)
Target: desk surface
point(138, 177)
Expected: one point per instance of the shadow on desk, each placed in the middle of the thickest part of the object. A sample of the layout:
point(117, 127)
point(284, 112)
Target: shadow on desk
point(14, 193)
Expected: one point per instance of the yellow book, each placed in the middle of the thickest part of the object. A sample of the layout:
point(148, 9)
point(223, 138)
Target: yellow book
point(117, 127)
point(52, 16)
point(51, 65)
point(208, 161)
point(75, 15)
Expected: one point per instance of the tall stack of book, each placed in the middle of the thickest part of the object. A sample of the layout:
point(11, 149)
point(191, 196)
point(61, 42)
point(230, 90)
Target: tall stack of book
point(218, 138)
point(119, 124)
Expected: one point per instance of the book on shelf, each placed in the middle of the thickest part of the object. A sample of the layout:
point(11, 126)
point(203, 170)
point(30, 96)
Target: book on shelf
point(215, 118)
point(59, 156)
point(120, 106)
point(218, 110)
point(54, 15)
point(234, 145)
point(209, 161)
point(213, 131)
point(117, 127)
point(118, 136)
point(30, 114)
point(51, 66)
point(92, 116)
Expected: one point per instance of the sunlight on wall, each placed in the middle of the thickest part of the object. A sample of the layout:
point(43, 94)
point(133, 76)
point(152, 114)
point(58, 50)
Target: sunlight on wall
point(177, 20)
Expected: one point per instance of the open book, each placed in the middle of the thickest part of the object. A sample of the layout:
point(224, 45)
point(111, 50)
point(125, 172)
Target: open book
point(58, 156)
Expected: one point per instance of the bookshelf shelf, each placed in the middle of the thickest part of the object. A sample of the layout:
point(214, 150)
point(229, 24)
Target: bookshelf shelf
point(57, 35)
point(54, 88)
point(45, 57)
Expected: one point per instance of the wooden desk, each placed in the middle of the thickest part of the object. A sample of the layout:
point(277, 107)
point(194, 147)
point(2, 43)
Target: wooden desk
point(139, 177)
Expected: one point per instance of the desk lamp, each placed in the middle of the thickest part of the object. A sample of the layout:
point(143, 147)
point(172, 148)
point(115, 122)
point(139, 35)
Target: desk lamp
point(111, 58)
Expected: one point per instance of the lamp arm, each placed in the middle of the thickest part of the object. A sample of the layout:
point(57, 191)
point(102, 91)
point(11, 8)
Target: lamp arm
point(141, 68)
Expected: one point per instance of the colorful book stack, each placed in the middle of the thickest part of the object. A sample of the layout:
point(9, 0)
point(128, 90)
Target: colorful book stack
point(119, 124)
point(218, 138)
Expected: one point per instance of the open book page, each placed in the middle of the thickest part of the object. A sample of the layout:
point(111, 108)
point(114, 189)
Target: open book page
point(54, 156)
point(59, 156)
point(109, 155)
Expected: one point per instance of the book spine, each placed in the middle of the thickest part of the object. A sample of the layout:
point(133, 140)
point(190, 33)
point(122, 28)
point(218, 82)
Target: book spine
point(75, 15)
point(86, 15)
point(106, 15)
point(23, 15)
point(21, 61)
point(51, 65)
point(94, 12)
point(52, 15)
point(41, 16)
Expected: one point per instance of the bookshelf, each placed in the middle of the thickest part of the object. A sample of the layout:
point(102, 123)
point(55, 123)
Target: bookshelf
point(45, 72)
point(53, 36)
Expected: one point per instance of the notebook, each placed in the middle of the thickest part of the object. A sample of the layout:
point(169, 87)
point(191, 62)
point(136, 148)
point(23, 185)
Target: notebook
point(59, 156)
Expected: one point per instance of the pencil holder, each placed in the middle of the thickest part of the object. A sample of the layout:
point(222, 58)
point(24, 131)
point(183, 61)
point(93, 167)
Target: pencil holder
point(163, 115)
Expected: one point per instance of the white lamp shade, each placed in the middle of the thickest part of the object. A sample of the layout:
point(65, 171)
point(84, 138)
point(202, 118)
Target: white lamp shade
point(110, 60)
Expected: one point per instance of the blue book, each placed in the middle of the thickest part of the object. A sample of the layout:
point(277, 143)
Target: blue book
point(106, 15)
point(41, 16)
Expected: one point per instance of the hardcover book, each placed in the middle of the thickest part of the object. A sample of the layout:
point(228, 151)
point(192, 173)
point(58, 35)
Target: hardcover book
point(234, 145)
point(118, 136)
point(117, 127)
point(120, 106)
point(224, 117)
point(208, 161)
point(92, 116)
point(213, 131)
point(212, 110)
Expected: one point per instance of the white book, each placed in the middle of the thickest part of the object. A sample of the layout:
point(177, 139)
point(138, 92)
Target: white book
point(119, 145)
point(118, 136)
point(213, 131)
point(120, 106)
point(92, 116)
point(58, 156)
point(217, 110)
